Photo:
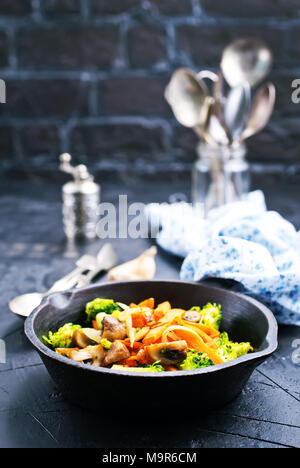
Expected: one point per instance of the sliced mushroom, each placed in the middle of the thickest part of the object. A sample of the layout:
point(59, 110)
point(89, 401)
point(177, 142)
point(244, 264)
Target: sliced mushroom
point(84, 337)
point(168, 353)
point(94, 353)
point(99, 355)
point(192, 316)
point(116, 353)
point(113, 329)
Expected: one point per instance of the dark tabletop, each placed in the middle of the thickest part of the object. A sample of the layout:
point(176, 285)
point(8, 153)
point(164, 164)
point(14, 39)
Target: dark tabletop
point(34, 254)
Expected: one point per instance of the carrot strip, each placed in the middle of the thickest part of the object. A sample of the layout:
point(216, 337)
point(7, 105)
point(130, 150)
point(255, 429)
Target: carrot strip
point(212, 344)
point(171, 315)
point(161, 310)
point(140, 316)
point(95, 326)
point(151, 324)
point(147, 303)
point(142, 357)
point(193, 340)
point(212, 332)
point(141, 333)
point(198, 330)
point(137, 337)
point(131, 362)
point(154, 334)
point(135, 345)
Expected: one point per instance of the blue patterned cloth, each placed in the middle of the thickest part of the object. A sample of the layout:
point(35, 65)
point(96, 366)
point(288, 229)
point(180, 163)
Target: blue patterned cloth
point(241, 241)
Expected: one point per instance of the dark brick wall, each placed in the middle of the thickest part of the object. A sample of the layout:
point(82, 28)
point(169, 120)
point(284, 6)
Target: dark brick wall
point(88, 76)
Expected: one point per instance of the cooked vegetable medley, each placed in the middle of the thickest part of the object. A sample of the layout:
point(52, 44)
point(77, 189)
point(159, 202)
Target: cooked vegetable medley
point(145, 338)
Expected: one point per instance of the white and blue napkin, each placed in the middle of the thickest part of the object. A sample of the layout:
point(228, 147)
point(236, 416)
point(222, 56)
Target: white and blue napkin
point(241, 241)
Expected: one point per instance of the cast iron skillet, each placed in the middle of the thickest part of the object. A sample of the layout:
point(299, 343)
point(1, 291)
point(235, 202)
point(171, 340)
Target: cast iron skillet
point(245, 319)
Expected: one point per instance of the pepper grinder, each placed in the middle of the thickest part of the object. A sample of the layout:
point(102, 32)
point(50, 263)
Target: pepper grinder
point(81, 198)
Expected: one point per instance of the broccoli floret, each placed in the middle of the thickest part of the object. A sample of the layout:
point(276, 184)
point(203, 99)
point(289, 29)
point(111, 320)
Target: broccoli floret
point(195, 360)
point(108, 306)
point(63, 338)
point(106, 343)
point(228, 350)
point(156, 367)
point(211, 315)
point(196, 308)
point(242, 348)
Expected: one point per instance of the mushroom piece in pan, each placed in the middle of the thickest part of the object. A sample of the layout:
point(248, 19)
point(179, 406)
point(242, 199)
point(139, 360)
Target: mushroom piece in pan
point(117, 352)
point(113, 329)
point(192, 316)
point(96, 354)
point(168, 353)
point(84, 337)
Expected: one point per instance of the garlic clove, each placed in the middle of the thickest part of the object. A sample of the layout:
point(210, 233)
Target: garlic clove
point(142, 267)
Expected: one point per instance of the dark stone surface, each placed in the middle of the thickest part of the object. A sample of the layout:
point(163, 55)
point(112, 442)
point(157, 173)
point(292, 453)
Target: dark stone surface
point(33, 255)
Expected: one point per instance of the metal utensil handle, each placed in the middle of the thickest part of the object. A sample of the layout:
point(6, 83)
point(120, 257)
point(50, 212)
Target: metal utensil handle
point(84, 280)
point(68, 281)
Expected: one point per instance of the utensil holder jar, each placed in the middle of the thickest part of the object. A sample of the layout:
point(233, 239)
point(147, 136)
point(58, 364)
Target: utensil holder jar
point(220, 176)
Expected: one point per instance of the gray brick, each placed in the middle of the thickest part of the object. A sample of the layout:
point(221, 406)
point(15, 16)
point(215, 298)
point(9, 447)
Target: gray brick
point(40, 140)
point(46, 98)
point(171, 7)
point(15, 7)
point(3, 50)
point(121, 140)
point(277, 143)
point(6, 142)
point(53, 7)
point(251, 9)
point(134, 95)
point(68, 47)
point(147, 45)
point(114, 7)
point(204, 44)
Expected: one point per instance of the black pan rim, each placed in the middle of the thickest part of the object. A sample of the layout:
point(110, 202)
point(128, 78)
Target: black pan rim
point(271, 337)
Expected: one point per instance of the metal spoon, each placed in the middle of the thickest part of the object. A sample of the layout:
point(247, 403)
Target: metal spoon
point(216, 126)
point(23, 305)
point(261, 110)
point(246, 60)
point(187, 96)
point(209, 76)
point(237, 109)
